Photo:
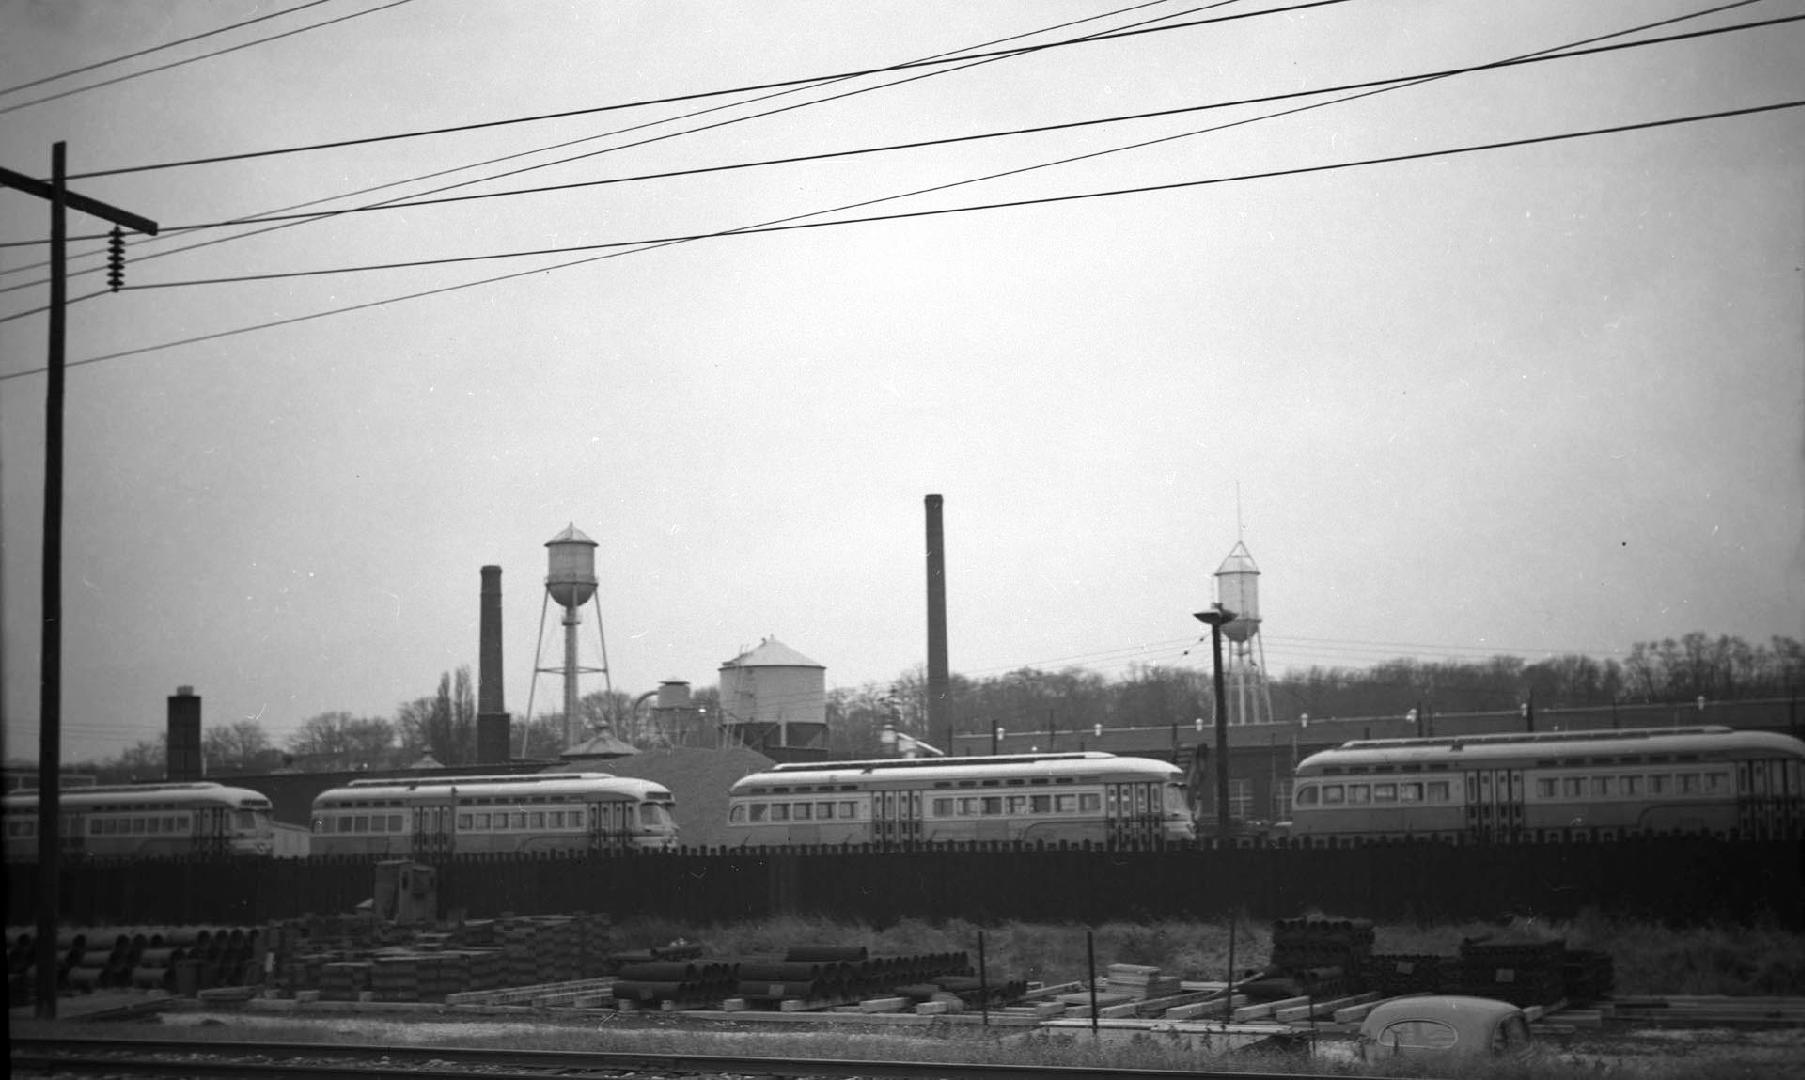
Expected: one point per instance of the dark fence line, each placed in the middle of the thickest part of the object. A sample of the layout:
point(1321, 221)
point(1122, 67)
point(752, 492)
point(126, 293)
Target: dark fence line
point(1680, 880)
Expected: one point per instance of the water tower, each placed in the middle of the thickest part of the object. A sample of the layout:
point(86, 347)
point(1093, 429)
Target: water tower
point(1238, 590)
point(570, 581)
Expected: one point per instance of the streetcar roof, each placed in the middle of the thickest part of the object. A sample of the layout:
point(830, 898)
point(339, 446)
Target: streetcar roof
point(950, 770)
point(177, 795)
point(1529, 747)
point(869, 764)
point(461, 788)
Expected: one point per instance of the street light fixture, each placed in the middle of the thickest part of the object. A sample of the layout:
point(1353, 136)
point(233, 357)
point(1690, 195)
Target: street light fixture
point(1215, 618)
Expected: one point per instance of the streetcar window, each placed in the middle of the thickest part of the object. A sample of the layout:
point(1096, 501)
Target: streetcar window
point(1716, 782)
point(154, 825)
point(968, 807)
point(1601, 785)
point(1043, 804)
point(1438, 791)
point(465, 821)
point(1307, 796)
point(993, 804)
point(1630, 785)
point(1689, 783)
point(1547, 787)
point(1385, 793)
point(760, 811)
point(1573, 786)
point(800, 812)
point(824, 811)
point(247, 819)
point(849, 810)
point(1089, 802)
point(1333, 794)
point(93, 826)
point(536, 819)
point(651, 814)
point(138, 826)
point(482, 821)
point(780, 811)
point(360, 823)
point(1018, 804)
point(943, 807)
point(1658, 784)
point(736, 814)
point(1065, 804)
point(1359, 794)
point(518, 819)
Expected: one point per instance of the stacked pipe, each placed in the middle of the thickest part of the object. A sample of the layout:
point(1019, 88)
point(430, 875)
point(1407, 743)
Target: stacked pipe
point(1522, 972)
point(1410, 973)
point(651, 983)
point(827, 973)
point(1586, 976)
point(1325, 955)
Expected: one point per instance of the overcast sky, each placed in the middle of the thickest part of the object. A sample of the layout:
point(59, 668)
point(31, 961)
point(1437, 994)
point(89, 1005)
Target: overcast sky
point(1542, 399)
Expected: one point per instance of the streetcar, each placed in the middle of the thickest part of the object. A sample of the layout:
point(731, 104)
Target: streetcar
point(139, 821)
point(460, 815)
point(1547, 785)
point(891, 803)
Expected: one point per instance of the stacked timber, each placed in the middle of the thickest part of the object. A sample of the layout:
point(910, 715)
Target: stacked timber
point(1139, 981)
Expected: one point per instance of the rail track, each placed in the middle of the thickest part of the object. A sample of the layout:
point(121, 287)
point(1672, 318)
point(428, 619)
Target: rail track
point(32, 1056)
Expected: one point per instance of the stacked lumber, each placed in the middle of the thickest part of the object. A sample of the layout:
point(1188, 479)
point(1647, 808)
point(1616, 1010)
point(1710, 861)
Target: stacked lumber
point(1139, 981)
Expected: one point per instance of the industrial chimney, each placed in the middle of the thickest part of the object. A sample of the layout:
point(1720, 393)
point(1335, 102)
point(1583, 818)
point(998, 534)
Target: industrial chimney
point(183, 761)
point(940, 703)
point(492, 739)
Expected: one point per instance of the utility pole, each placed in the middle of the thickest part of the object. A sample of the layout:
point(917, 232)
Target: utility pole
point(1216, 618)
point(50, 677)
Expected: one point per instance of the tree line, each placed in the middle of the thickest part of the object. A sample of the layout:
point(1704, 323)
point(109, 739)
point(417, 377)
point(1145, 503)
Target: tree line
point(1022, 703)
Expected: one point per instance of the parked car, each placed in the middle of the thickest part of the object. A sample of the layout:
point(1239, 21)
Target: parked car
point(1443, 1026)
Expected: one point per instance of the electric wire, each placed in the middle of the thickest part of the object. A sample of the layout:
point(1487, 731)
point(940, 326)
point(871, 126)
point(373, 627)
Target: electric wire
point(289, 222)
point(1584, 47)
point(677, 99)
point(417, 201)
point(787, 224)
point(195, 59)
point(159, 48)
point(901, 215)
point(1555, 52)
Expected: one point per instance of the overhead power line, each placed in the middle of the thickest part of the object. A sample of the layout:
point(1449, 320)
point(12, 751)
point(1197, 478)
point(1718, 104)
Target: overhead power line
point(901, 215)
point(194, 59)
point(298, 219)
point(963, 55)
point(1569, 51)
point(416, 201)
point(97, 65)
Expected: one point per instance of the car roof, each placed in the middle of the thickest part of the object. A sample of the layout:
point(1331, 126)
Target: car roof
point(1445, 1007)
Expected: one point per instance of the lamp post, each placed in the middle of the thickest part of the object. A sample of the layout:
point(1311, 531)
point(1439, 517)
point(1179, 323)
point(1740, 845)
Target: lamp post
point(1215, 618)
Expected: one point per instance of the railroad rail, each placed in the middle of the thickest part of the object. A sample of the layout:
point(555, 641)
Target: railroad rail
point(340, 1061)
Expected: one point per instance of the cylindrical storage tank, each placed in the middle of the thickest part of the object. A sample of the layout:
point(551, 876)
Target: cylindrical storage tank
point(1238, 591)
point(774, 696)
point(673, 694)
point(570, 573)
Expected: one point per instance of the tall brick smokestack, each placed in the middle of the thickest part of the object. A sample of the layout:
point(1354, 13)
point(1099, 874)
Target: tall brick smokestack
point(491, 714)
point(183, 759)
point(940, 700)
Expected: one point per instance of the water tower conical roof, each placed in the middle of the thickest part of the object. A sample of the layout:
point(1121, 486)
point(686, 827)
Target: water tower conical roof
point(1238, 561)
point(571, 535)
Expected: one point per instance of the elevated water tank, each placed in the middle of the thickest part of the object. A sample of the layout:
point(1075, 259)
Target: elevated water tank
point(570, 577)
point(1238, 590)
